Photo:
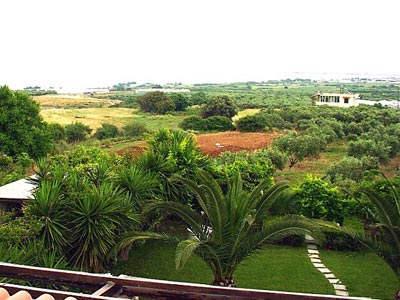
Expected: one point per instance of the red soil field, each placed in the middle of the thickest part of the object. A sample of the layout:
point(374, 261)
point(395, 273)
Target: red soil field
point(214, 143)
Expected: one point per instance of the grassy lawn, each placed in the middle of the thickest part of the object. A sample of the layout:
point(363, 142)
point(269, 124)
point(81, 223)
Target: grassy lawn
point(363, 273)
point(274, 268)
point(156, 260)
point(271, 268)
point(282, 268)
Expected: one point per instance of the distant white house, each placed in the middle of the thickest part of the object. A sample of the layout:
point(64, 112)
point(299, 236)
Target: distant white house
point(336, 99)
point(349, 100)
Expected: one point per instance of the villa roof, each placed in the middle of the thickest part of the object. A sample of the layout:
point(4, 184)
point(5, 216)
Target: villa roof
point(17, 191)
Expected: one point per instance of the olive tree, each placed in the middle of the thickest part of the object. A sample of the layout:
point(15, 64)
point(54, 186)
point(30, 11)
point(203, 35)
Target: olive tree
point(220, 105)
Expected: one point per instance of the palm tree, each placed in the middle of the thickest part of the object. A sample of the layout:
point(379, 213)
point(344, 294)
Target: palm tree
point(229, 227)
point(385, 213)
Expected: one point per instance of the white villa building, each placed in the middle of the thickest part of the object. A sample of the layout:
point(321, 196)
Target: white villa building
point(349, 100)
point(335, 99)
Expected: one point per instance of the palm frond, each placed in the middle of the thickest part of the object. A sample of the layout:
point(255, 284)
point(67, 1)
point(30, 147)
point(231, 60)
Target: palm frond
point(211, 200)
point(267, 200)
point(283, 226)
point(184, 251)
point(385, 211)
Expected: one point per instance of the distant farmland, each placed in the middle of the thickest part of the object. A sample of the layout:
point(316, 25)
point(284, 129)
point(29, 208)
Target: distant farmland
point(64, 109)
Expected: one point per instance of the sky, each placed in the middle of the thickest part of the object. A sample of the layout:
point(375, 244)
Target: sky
point(85, 43)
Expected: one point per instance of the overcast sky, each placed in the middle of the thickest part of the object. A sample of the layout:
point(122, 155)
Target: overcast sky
point(93, 43)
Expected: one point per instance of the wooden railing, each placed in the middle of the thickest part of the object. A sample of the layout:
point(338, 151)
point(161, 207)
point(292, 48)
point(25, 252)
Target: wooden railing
point(108, 287)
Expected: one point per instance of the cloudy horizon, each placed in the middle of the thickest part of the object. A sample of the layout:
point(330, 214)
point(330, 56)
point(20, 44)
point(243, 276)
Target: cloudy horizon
point(99, 43)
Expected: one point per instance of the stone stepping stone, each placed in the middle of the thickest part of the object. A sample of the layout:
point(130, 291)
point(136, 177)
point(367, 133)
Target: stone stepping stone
point(313, 256)
point(315, 260)
point(324, 270)
point(341, 293)
point(330, 276)
point(312, 251)
point(312, 246)
point(319, 265)
point(334, 281)
point(341, 287)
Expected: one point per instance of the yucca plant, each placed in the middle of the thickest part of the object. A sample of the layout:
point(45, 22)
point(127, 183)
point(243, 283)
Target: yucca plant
point(100, 172)
point(228, 227)
point(48, 205)
point(97, 217)
point(140, 184)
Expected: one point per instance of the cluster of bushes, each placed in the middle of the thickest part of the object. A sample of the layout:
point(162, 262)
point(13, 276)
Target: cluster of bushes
point(213, 123)
point(77, 131)
point(181, 101)
point(253, 167)
point(162, 103)
point(215, 115)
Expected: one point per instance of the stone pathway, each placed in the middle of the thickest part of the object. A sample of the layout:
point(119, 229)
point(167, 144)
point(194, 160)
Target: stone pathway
point(313, 254)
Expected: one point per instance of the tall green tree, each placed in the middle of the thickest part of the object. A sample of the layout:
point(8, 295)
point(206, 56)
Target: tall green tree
point(220, 105)
point(228, 227)
point(77, 132)
point(297, 147)
point(181, 101)
point(156, 102)
point(22, 129)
